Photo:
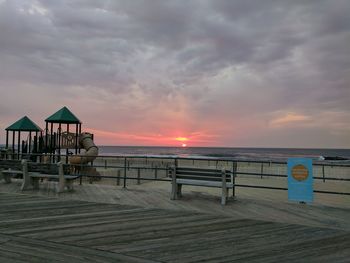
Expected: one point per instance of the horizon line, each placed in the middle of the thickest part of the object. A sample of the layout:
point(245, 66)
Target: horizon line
point(248, 147)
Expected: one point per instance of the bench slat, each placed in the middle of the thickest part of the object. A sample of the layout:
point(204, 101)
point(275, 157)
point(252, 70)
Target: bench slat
point(202, 183)
point(53, 176)
point(204, 178)
point(12, 172)
point(198, 173)
point(200, 170)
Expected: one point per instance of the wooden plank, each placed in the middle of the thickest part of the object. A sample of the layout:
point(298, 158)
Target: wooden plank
point(63, 222)
point(84, 224)
point(330, 249)
point(198, 173)
point(188, 236)
point(234, 244)
point(32, 250)
point(102, 233)
point(202, 183)
point(130, 233)
point(202, 178)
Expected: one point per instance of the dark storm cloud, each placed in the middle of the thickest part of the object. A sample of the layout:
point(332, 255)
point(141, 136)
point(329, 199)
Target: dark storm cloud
point(40, 48)
point(233, 58)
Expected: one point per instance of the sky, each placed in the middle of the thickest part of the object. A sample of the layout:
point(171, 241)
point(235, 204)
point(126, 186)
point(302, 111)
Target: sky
point(227, 73)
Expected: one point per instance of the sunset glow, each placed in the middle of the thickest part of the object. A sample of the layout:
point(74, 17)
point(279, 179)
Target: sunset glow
point(181, 139)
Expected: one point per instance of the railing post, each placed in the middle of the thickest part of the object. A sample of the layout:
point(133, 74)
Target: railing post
point(124, 183)
point(234, 170)
point(173, 184)
point(323, 174)
point(262, 170)
point(224, 188)
point(138, 176)
point(77, 170)
point(156, 173)
point(118, 177)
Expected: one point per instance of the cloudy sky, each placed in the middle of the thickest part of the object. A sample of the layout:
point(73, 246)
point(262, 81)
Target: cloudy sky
point(260, 73)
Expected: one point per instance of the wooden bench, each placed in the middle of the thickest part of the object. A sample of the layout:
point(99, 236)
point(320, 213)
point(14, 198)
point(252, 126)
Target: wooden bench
point(31, 180)
point(8, 174)
point(224, 179)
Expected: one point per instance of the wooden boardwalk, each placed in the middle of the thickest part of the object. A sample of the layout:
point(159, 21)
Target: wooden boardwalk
point(270, 205)
point(43, 227)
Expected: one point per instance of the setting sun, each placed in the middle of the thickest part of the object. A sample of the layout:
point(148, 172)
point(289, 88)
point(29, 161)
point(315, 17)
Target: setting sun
point(181, 139)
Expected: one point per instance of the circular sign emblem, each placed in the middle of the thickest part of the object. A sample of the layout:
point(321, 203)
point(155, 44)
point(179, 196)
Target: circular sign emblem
point(300, 172)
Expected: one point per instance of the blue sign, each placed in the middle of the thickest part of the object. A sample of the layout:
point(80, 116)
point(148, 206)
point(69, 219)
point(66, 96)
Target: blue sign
point(300, 180)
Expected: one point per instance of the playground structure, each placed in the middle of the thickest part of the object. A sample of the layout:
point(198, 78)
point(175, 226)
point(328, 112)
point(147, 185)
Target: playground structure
point(49, 145)
point(23, 125)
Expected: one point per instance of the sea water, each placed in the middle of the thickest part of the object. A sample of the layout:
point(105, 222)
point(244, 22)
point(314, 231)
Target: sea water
point(272, 154)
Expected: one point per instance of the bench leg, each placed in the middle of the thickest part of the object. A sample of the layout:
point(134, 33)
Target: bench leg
point(61, 180)
point(178, 191)
point(27, 182)
point(224, 196)
point(61, 185)
point(7, 178)
point(173, 191)
point(69, 184)
point(35, 183)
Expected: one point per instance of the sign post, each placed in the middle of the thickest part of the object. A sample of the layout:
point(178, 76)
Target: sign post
point(300, 180)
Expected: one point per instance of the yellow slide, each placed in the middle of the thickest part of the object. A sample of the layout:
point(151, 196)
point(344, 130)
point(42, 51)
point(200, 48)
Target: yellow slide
point(91, 150)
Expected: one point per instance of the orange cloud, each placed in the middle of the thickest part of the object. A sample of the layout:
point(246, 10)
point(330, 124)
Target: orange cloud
point(289, 118)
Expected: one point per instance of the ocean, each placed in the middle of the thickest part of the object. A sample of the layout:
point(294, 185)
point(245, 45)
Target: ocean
point(271, 154)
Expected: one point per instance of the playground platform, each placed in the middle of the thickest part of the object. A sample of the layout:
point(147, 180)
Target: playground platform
point(106, 223)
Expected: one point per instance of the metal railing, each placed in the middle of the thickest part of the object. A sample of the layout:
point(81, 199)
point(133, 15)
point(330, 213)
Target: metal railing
point(125, 169)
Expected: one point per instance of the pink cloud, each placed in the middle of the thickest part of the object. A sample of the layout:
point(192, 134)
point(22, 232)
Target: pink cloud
point(103, 137)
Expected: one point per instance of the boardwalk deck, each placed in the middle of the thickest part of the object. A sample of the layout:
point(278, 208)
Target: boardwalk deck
point(42, 228)
point(269, 205)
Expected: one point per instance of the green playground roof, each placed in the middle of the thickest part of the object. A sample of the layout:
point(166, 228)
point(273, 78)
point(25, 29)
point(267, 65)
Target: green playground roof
point(64, 115)
point(23, 124)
